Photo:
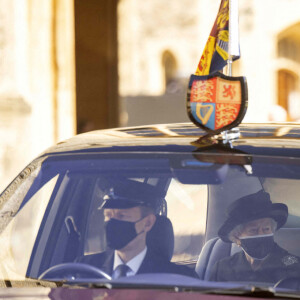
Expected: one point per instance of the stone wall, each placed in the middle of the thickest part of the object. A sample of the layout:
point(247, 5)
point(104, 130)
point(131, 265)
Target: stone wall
point(37, 98)
point(148, 28)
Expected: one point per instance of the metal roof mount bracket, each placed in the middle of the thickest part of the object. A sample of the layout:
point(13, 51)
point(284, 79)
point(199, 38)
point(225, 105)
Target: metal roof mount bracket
point(225, 138)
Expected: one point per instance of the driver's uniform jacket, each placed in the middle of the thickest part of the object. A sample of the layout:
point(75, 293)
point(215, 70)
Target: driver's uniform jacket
point(278, 265)
point(152, 263)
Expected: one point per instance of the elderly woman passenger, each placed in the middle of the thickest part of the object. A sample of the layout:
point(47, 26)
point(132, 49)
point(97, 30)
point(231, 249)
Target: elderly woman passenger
point(251, 223)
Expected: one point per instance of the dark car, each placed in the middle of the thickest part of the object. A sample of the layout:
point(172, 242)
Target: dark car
point(52, 214)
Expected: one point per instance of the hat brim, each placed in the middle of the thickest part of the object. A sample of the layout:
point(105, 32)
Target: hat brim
point(129, 193)
point(279, 213)
point(120, 204)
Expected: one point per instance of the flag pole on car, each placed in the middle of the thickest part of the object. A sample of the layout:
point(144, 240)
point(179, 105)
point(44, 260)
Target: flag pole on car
point(233, 43)
point(217, 102)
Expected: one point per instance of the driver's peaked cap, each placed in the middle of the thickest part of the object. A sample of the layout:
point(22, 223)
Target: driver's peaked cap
point(130, 193)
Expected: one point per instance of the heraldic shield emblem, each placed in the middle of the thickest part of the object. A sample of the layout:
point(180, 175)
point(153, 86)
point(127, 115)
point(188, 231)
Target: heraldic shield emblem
point(217, 102)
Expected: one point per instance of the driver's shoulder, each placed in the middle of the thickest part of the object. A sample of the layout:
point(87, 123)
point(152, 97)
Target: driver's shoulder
point(184, 270)
point(159, 264)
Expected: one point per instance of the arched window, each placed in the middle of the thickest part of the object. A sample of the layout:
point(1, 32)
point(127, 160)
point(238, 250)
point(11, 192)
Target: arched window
point(170, 69)
point(288, 49)
point(288, 93)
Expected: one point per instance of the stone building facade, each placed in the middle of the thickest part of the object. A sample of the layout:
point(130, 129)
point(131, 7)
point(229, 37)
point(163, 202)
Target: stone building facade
point(161, 43)
point(58, 75)
point(37, 98)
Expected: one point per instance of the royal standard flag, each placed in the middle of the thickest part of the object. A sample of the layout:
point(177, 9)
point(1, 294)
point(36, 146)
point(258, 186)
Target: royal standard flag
point(216, 51)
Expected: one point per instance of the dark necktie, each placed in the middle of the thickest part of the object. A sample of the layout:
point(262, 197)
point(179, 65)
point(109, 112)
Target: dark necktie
point(121, 271)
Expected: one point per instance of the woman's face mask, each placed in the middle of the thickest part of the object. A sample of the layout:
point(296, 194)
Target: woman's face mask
point(259, 246)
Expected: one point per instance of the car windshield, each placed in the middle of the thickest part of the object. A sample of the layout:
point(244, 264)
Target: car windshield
point(56, 224)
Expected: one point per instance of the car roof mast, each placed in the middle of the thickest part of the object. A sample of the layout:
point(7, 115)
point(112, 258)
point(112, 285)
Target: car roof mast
point(217, 102)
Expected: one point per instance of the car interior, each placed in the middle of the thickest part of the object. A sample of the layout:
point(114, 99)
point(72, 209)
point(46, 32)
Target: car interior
point(196, 195)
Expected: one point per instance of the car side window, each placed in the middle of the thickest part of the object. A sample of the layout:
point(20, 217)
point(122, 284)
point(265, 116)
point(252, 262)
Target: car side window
point(18, 238)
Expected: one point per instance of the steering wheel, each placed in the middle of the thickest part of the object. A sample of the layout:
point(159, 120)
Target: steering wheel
point(72, 272)
point(289, 282)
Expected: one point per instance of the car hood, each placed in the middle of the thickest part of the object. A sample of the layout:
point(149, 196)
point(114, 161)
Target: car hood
point(104, 294)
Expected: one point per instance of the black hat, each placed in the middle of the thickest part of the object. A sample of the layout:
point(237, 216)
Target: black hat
point(130, 193)
point(252, 207)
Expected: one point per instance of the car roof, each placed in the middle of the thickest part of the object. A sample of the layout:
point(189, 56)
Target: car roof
point(255, 138)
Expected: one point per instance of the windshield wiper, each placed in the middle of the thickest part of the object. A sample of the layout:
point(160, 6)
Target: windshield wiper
point(141, 286)
point(250, 291)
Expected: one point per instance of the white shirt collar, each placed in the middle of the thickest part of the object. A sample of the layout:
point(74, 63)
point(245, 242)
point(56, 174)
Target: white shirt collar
point(134, 264)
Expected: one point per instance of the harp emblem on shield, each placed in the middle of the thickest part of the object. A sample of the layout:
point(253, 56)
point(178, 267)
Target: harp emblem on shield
point(204, 111)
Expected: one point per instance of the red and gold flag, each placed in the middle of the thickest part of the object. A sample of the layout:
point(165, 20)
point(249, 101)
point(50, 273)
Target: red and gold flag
point(215, 54)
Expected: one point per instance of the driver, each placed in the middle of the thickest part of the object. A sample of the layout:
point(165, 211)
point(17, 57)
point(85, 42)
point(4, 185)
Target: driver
point(251, 223)
point(129, 212)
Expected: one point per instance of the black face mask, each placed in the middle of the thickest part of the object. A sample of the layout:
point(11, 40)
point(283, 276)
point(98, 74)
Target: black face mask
point(120, 233)
point(258, 247)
